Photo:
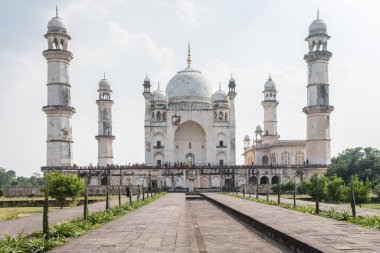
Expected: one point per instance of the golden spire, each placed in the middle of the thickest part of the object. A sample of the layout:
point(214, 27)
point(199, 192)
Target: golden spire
point(188, 55)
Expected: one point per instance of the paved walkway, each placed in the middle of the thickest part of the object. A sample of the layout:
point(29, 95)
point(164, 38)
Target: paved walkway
point(33, 223)
point(325, 206)
point(171, 224)
point(325, 234)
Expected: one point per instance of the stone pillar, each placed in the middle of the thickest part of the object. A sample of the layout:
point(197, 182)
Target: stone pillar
point(318, 108)
point(58, 110)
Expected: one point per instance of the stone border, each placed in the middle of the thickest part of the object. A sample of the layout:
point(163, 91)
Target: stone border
point(284, 239)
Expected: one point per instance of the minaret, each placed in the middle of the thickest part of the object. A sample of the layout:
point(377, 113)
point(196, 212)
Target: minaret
point(232, 94)
point(270, 112)
point(147, 119)
point(318, 109)
point(105, 137)
point(58, 109)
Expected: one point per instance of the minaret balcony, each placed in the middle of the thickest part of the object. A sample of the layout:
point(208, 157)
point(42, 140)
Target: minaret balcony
point(221, 146)
point(105, 136)
point(318, 109)
point(313, 56)
point(57, 54)
point(58, 109)
point(158, 147)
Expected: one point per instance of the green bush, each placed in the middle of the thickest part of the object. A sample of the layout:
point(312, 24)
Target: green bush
point(61, 186)
point(336, 189)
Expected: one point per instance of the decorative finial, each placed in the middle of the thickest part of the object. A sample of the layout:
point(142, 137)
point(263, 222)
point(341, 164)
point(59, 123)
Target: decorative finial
point(188, 55)
point(158, 85)
point(231, 76)
point(56, 11)
point(318, 13)
point(104, 75)
point(220, 85)
point(269, 78)
point(146, 76)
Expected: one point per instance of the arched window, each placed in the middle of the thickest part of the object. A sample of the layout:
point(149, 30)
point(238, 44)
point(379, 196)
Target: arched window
point(300, 157)
point(285, 157)
point(153, 117)
point(265, 160)
point(158, 116)
point(226, 116)
point(273, 159)
point(220, 116)
point(164, 116)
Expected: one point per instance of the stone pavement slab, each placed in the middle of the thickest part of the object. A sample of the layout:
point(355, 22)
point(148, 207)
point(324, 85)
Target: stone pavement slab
point(160, 226)
point(33, 223)
point(171, 224)
point(222, 233)
point(326, 234)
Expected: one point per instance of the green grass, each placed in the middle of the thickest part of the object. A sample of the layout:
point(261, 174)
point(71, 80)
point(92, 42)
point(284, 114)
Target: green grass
point(11, 213)
point(365, 221)
point(375, 206)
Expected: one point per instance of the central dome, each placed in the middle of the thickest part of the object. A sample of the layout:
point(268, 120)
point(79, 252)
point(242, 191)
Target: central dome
point(189, 85)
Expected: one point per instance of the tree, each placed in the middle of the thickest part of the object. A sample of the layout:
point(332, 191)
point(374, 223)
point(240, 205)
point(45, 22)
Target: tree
point(377, 189)
point(361, 190)
point(363, 162)
point(336, 189)
point(5, 178)
point(63, 186)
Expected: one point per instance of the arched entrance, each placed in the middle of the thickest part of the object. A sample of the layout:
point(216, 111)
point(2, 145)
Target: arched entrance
point(190, 159)
point(253, 180)
point(264, 180)
point(190, 143)
point(275, 180)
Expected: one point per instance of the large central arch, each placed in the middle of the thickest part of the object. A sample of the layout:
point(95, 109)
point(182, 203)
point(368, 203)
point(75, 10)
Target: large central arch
point(190, 138)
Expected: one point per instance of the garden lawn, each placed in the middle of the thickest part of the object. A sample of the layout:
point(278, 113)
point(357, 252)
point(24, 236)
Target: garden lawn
point(10, 213)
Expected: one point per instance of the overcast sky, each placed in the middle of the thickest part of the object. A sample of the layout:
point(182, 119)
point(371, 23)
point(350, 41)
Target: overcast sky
point(128, 39)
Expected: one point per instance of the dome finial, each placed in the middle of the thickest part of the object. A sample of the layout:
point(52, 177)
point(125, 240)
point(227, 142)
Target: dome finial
point(269, 78)
point(104, 75)
point(158, 84)
point(318, 13)
point(220, 85)
point(56, 11)
point(188, 55)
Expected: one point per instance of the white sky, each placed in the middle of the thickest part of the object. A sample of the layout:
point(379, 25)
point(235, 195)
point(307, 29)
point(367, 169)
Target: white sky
point(130, 38)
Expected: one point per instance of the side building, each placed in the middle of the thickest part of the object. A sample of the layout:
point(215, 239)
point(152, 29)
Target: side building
point(267, 149)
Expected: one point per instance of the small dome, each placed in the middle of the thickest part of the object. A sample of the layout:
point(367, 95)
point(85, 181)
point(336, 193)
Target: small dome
point(159, 95)
point(220, 95)
point(246, 138)
point(269, 85)
point(56, 25)
point(317, 27)
point(188, 85)
point(104, 84)
point(259, 129)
